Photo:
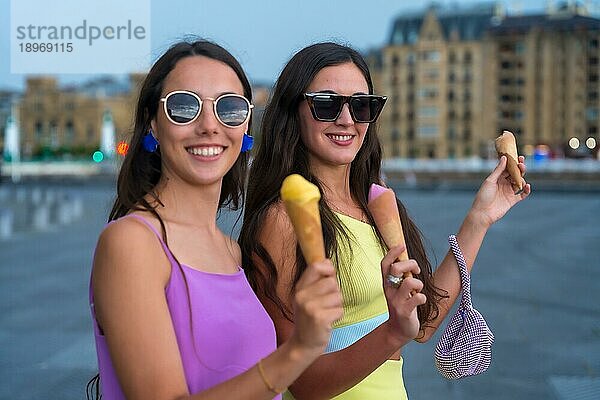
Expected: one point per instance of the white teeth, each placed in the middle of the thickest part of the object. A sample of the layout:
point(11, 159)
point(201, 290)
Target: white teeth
point(205, 151)
point(341, 138)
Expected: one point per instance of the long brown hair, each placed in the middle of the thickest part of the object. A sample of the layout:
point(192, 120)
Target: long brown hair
point(281, 152)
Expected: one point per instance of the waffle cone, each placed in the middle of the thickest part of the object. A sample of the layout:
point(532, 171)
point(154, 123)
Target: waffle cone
point(306, 220)
point(384, 210)
point(506, 145)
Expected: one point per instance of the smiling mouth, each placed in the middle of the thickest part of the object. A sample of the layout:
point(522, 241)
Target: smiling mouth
point(205, 151)
point(343, 139)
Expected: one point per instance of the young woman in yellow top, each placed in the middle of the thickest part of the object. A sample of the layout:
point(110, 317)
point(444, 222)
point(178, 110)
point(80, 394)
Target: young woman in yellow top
point(320, 124)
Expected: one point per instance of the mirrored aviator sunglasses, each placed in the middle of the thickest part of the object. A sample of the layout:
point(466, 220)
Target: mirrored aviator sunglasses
point(183, 107)
point(327, 107)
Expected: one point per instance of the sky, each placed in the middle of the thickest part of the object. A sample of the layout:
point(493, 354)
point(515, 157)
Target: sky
point(262, 34)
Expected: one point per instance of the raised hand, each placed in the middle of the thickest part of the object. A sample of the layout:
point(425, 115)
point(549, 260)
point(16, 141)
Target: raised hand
point(402, 305)
point(496, 195)
point(317, 305)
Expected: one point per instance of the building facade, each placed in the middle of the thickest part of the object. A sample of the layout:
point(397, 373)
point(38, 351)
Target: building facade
point(457, 77)
point(57, 120)
point(69, 120)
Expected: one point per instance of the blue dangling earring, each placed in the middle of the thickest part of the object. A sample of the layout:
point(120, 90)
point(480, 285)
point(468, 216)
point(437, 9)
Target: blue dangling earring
point(149, 142)
point(247, 143)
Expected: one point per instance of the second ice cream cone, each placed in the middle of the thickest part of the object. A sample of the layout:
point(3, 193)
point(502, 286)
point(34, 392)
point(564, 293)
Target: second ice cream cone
point(506, 145)
point(384, 210)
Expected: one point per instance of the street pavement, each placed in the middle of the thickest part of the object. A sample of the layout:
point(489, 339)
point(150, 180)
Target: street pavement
point(535, 281)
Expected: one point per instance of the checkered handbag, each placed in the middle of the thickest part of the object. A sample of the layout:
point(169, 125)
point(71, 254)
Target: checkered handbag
point(465, 347)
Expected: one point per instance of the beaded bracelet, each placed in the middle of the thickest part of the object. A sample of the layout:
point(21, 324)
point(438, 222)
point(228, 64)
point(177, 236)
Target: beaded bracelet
point(272, 388)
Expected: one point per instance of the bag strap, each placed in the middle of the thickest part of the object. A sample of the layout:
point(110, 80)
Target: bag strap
point(465, 301)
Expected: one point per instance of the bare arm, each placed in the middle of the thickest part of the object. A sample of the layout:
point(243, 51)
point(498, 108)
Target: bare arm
point(129, 278)
point(493, 200)
point(333, 373)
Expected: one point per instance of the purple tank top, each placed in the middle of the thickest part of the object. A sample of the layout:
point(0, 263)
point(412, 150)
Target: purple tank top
point(230, 332)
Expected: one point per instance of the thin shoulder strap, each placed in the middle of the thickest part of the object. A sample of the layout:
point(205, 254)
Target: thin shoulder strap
point(158, 235)
point(164, 246)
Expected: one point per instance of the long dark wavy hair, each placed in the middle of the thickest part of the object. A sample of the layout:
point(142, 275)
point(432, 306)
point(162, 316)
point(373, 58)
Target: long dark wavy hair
point(141, 170)
point(281, 152)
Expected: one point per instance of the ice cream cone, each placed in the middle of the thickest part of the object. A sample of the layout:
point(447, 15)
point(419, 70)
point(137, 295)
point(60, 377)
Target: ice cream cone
point(301, 200)
point(383, 208)
point(506, 145)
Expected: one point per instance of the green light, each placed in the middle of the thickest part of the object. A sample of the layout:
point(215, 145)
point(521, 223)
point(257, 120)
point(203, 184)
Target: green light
point(98, 156)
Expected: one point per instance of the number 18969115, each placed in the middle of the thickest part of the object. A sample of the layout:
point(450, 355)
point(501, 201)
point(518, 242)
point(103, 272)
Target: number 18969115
point(46, 47)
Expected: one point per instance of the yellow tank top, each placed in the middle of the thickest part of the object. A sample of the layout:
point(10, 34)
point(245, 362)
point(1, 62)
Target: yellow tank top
point(365, 308)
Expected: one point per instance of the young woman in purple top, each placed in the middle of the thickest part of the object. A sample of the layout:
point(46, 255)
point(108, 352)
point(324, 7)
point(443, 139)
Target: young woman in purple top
point(174, 316)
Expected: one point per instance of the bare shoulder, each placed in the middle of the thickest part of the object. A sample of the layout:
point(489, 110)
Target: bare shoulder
point(128, 246)
point(277, 220)
point(277, 236)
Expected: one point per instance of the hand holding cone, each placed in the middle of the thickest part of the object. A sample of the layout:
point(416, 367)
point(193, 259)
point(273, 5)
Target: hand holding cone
point(506, 145)
point(301, 200)
point(383, 208)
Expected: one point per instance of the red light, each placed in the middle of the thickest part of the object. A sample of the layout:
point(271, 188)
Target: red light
point(122, 148)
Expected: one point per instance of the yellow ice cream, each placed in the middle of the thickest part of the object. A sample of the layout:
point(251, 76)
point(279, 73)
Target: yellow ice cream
point(301, 200)
point(297, 189)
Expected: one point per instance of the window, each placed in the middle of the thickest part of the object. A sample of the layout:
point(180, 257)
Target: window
point(591, 113)
point(518, 115)
point(452, 57)
point(430, 55)
point(39, 130)
point(432, 74)
point(69, 133)
point(451, 134)
point(90, 133)
point(428, 131)
point(467, 95)
point(467, 58)
point(428, 112)
point(520, 48)
point(428, 93)
point(467, 76)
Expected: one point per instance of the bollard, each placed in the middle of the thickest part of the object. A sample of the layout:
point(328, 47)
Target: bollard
point(76, 203)
point(36, 196)
point(6, 223)
point(20, 195)
point(50, 196)
point(40, 217)
point(64, 214)
point(4, 194)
